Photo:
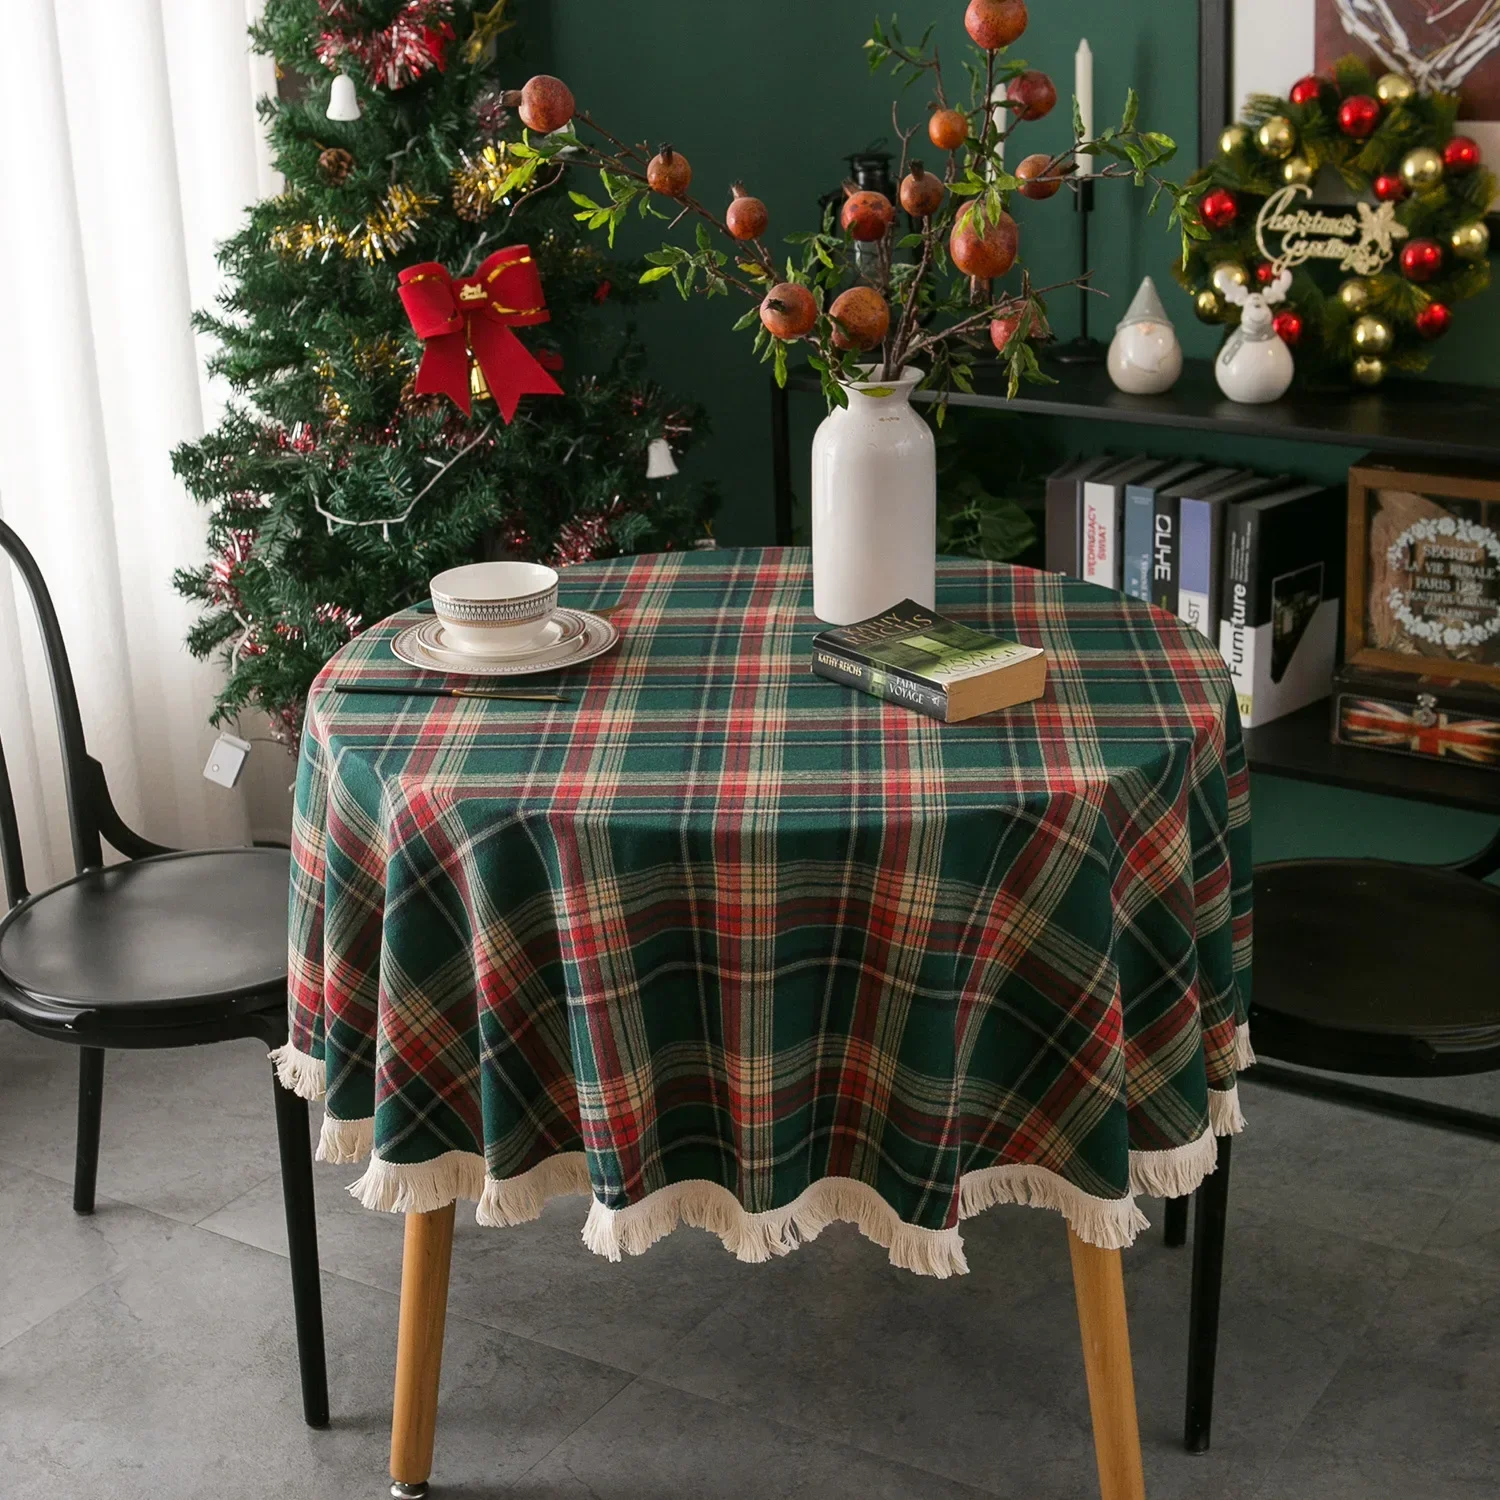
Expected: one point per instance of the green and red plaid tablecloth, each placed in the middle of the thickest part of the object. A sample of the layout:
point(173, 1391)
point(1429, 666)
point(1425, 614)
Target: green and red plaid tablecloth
point(721, 942)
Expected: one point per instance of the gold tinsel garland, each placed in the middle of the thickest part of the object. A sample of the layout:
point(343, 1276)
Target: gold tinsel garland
point(478, 181)
point(382, 233)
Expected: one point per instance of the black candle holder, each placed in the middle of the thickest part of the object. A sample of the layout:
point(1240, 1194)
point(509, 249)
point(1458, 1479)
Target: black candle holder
point(1083, 350)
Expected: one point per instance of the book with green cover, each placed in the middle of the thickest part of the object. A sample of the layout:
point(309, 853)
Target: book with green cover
point(916, 657)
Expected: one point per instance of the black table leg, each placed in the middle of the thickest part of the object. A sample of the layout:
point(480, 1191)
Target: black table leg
point(1175, 1224)
point(302, 1244)
point(1203, 1324)
point(781, 462)
point(90, 1111)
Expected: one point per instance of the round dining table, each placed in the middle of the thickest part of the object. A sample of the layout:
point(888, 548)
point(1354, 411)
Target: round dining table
point(714, 941)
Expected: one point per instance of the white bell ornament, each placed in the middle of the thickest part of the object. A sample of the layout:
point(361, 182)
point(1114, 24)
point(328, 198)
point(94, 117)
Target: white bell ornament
point(1255, 364)
point(343, 102)
point(1145, 356)
point(659, 461)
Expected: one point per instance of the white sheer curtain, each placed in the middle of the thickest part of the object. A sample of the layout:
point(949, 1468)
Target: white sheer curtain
point(130, 148)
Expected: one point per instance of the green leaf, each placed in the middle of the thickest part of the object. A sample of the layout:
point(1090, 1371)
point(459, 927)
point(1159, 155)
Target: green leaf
point(583, 200)
point(748, 320)
point(659, 273)
point(780, 364)
point(1132, 109)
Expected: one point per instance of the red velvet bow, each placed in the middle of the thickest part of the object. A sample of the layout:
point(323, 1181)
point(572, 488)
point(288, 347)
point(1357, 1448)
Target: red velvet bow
point(475, 314)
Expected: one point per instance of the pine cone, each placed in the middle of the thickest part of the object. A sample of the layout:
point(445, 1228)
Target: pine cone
point(336, 164)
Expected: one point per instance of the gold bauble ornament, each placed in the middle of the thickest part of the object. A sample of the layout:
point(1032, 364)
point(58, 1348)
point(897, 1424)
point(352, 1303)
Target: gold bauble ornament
point(1393, 89)
point(1422, 168)
point(1369, 369)
point(1373, 335)
point(1278, 136)
point(1209, 306)
point(1228, 274)
point(1471, 241)
point(1297, 170)
point(1355, 294)
point(1234, 138)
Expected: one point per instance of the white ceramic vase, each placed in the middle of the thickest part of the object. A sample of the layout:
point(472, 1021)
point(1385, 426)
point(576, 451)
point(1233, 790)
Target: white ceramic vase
point(874, 504)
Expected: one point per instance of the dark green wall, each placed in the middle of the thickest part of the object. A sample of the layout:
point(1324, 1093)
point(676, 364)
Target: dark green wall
point(779, 92)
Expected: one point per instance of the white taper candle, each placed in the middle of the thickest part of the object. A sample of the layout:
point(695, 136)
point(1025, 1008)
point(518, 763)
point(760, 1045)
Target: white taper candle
point(1083, 90)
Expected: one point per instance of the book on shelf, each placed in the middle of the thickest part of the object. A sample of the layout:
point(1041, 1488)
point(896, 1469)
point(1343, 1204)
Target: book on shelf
point(1164, 523)
point(918, 658)
point(1103, 503)
point(1139, 527)
point(1200, 549)
point(1064, 520)
point(1283, 572)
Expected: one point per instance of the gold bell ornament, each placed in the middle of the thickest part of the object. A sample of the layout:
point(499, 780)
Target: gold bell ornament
point(1422, 168)
point(1277, 136)
point(1373, 335)
point(1369, 369)
point(1355, 294)
point(479, 387)
point(1392, 89)
point(1471, 241)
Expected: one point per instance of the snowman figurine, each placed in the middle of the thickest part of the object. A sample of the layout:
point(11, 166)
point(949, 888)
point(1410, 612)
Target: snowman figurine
point(1255, 364)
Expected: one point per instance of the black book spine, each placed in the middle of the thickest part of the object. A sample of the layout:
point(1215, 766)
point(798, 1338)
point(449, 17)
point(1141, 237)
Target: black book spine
point(1164, 552)
point(1063, 554)
point(853, 669)
point(1241, 563)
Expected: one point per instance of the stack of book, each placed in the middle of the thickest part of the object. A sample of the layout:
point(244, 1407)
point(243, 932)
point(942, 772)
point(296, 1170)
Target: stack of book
point(1255, 563)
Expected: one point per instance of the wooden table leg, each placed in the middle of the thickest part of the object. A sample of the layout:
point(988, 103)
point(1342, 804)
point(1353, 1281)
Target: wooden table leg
point(1099, 1284)
point(425, 1261)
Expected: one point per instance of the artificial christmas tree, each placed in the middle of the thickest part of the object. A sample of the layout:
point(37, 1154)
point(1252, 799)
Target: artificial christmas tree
point(339, 482)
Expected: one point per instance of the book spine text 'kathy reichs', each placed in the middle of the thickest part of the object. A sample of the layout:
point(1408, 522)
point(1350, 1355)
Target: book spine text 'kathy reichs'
point(854, 670)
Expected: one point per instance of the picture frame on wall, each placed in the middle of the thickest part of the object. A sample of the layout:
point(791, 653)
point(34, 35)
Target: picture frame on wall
point(1263, 46)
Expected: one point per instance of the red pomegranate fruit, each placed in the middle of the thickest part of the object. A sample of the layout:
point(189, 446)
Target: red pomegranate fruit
point(921, 192)
point(861, 318)
point(948, 129)
point(867, 215)
point(669, 173)
point(995, 23)
point(984, 252)
point(1003, 330)
point(789, 310)
point(1032, 95)
point(546, 104)
point(1039, 176)
point(747, 217)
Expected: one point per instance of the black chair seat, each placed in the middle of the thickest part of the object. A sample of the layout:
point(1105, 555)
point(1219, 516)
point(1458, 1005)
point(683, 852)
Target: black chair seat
point(1389, 965)
point(178, 934)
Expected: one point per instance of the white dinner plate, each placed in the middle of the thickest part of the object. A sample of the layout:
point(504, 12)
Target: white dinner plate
point(573, 636)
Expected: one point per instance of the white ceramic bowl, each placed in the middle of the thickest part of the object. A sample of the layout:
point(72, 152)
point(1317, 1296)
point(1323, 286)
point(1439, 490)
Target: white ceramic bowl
point(495, 608)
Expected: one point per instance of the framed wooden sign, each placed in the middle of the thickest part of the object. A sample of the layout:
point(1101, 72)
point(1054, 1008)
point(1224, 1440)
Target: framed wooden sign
point(1423, 589)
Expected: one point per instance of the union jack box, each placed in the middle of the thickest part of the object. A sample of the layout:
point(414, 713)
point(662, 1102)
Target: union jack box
point(1433, 717)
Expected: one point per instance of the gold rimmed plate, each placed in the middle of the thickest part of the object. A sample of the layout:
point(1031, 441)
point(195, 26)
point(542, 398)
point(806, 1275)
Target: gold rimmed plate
point(573, 636)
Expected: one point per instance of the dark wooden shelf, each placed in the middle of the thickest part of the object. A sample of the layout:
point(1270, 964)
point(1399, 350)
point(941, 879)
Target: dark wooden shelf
point(1298, 747)
point(1434, 418)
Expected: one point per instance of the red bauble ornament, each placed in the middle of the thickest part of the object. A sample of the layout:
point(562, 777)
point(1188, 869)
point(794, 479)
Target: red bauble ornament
point(1219, 208)
point(1288, 326)
point(1389, 187)
point(1359, 114)
point(1433, 320)
point(1265, 273)
point(1461, 154)
point(1306, 90)
point(1421, 260)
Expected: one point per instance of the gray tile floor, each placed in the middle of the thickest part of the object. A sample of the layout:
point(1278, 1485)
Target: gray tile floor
point(148, 1351)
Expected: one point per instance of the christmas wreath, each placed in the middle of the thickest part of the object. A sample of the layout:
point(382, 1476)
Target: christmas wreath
point(1375, 281)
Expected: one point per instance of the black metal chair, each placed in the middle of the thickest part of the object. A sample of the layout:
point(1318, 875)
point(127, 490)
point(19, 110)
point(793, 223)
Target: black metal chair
point(1362, 966)
point(166, 950)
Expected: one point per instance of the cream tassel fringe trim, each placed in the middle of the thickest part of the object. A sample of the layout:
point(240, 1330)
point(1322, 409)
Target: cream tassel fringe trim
point(1109, 1223)
point(1225, 1116)
point(302, 1074)
point(1175, 1173)
point(758, 1237)
point(1244, 1053)
point(345, 1142)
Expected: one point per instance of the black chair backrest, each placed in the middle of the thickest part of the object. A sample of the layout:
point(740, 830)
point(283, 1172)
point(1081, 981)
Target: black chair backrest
point(92, 819)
